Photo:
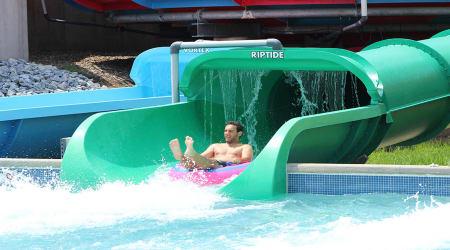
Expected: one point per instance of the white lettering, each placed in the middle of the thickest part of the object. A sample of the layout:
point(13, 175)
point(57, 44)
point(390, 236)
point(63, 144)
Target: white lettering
point(267, 54)
point(197, 50)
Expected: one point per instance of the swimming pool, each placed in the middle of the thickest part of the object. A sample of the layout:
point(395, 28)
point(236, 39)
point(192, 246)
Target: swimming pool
point(161, 214)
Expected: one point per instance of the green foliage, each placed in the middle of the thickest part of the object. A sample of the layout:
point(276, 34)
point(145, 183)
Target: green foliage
point(430, 152)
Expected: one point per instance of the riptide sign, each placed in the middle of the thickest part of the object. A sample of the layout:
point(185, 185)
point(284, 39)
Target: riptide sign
point(267, 54)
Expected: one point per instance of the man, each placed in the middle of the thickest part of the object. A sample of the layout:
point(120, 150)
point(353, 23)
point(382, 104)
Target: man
point(218, 154)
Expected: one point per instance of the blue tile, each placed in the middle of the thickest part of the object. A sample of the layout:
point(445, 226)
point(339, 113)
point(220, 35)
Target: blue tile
point(336, 184)
point(41, 176)
point(330, 184)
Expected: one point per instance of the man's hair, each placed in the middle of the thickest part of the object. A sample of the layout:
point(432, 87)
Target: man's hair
point(239, 126)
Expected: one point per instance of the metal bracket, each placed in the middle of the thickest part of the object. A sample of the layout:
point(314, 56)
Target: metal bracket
point(176, 46)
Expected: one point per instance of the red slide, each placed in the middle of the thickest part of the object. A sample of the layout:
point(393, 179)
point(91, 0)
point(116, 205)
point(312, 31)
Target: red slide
point(107, 5)
point(291, 2)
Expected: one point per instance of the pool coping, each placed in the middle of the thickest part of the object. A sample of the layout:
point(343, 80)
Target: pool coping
point(292, 168)
point(29, 163)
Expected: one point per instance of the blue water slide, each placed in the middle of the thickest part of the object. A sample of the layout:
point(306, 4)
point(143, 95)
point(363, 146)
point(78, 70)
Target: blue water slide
point(32, 126)
point(151, 68)
point(164, 4)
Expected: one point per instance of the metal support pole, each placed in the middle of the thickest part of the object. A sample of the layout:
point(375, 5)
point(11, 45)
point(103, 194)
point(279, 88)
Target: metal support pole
point(362, 20)
point(174, 70)
point(176, 46)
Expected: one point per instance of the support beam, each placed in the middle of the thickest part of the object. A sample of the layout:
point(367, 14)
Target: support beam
point(315, 29)
point(276, 13)
point(13, 29)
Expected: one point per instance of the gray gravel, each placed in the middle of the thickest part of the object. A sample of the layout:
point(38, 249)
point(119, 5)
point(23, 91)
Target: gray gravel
point(19, 77)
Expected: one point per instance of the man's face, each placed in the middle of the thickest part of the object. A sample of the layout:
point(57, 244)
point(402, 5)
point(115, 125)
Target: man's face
point(231, 134)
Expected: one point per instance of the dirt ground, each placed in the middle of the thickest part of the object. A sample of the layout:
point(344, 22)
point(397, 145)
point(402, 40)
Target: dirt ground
point(109, 69)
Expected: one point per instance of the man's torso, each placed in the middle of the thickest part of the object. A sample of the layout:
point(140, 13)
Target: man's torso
point(224, 152)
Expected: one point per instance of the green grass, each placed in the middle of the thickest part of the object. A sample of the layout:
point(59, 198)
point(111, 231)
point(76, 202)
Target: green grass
point(435, 151)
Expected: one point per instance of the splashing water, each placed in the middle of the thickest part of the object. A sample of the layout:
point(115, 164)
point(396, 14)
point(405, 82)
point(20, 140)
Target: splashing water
point(228, 84)
point(161, 214)
point(249, 83)
point(28, 208)
point(319, 91)
point(209, 78)
point(250, 87)
point(422, 228)
point(308, 107)
point(355, 90)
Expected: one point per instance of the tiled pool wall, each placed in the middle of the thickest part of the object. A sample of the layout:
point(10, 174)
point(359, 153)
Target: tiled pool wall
point(338, 184)
point(328, 179)
point(338, 179)
point(41, 176)
point(40, 171)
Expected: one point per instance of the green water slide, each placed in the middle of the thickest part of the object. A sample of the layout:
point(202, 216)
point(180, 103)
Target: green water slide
point(299, 105)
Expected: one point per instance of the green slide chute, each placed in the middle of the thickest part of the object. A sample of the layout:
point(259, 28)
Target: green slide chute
point(300, 105)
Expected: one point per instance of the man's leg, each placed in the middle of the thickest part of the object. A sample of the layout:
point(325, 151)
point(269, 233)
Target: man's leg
point(200, 161)
point(185, 161)
point(176, 149)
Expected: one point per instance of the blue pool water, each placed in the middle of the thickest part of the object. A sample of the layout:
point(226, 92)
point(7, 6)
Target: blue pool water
point(161, 214)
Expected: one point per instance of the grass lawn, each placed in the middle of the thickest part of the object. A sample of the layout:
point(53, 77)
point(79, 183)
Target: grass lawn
point(434, 151)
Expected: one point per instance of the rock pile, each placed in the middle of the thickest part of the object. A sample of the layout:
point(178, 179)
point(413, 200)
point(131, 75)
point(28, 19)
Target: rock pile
point(19, 77)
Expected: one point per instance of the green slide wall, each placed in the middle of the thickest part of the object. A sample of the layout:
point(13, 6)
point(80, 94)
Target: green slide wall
point(403, 98)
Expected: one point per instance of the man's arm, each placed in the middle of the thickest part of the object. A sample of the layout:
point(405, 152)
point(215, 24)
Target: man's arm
point(209, 152)
point(247, 153)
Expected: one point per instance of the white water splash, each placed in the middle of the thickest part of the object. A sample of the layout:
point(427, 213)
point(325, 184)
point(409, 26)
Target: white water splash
point(160, 208)
point(31, 209)
point(425, 228)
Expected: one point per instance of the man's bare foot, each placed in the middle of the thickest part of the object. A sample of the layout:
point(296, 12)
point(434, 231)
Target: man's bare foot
point(176, 149)
point(189, 146)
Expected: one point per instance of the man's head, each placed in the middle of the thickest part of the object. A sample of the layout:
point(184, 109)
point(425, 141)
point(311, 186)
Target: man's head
point(233, 131)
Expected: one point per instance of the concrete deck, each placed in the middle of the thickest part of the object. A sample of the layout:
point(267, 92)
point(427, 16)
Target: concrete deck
point(29, 163)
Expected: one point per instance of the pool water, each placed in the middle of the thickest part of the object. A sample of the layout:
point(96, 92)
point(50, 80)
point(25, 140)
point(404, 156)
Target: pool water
point(161, 214)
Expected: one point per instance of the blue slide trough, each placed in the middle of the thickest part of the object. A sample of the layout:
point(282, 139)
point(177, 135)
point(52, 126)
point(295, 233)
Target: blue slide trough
point(32, 126)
